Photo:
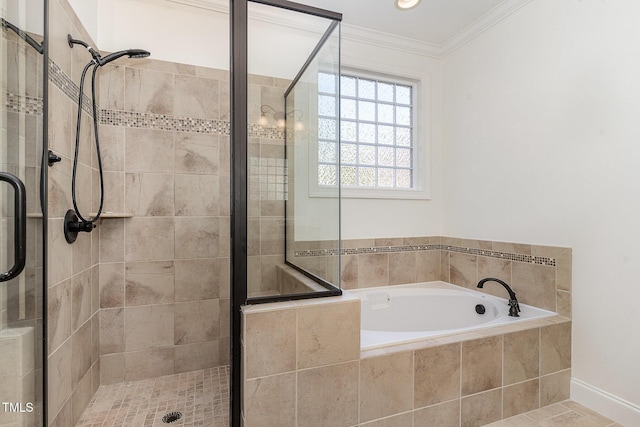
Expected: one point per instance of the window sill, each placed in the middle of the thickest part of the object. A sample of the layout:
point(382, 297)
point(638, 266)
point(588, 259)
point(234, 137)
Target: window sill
point(354, 193)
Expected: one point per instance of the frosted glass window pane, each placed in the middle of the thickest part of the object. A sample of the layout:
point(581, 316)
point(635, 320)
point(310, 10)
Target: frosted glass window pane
point(327, 152)
point(366, 155)
point(348, 153)
point(385, 135)
point(366, 111)
point(403, 95)
point(403, 178)
point(327, 83)
point(326, 105)
point(403, 137)
point(367, 133)
point(348, 175)
point(366, 89)
point(347, 86)
point(403, 158)
point(403, 116)
point(348, 108)
point(385, 113)
point(385, 156)
point(327, 175)
point(367, 177)
point(326, 129)
point(348, 131)
point(385, 177)
point(385, 92)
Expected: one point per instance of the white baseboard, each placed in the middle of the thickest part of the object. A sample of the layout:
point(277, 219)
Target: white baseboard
point(619, 410)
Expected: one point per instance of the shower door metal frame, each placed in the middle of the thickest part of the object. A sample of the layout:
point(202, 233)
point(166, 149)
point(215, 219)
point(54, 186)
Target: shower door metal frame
point(238, 16)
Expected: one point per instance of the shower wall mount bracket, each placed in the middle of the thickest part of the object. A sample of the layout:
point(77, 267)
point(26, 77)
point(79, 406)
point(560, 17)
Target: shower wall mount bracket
point(72, 225)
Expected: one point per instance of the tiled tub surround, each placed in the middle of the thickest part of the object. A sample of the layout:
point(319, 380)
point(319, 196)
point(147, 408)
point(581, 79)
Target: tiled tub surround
point(540, 275)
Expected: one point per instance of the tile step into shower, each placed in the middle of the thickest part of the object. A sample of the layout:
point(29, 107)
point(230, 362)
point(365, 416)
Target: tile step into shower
point(197, 398)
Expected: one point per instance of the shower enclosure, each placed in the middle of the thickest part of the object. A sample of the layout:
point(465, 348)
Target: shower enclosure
point(285, 94)
point(22, 205)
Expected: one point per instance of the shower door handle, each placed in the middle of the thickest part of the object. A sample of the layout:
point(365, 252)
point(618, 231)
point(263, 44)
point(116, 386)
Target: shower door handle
point(20, 227)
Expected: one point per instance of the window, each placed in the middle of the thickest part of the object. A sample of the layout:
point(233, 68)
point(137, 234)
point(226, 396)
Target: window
point(377, 132)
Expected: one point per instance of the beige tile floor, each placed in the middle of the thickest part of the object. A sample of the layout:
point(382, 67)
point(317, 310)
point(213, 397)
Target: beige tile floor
point(201, 396)
point(563, 414)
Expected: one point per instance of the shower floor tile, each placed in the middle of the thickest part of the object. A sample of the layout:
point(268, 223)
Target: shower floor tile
point(201, 396)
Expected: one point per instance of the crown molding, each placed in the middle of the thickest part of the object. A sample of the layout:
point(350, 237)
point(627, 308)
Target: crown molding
point(379, 38)
point(480, 25)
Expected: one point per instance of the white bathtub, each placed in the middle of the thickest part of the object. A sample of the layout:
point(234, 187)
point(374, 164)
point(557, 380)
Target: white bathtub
point(403, 313)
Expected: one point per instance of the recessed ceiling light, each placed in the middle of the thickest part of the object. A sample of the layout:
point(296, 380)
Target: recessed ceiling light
point(407, 4)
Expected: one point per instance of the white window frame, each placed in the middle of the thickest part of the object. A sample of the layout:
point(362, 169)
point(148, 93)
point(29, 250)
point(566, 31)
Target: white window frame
point(421, 151)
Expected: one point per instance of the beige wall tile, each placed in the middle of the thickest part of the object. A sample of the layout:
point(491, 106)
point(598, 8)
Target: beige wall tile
point(270, 342)
point(328, 334)
point(149, 194)
point(81, 397)
point(555, 387)
point(263, 395)
point(521, 356)
point(148, 91)
point(111, 285)
point(148, 150)
point(328, 396)
point(481, 409)
point(481, 365)
point(197, 321)
point(497, 268)
point(197, 279)
point(59, 314)
point(512, 248)
point(114, 188)
point(196, 237)
point(149, 326)
point(192, 357)
point(111, 368)
point(111, 240)
point(437, 375)
point(81, 353)
point(60, 265)
point(59, 186)
point(271, 236)
point(564, 263)
point(373, 270)
point(196, 195)
point(80, 299)
point(555, 348)
point(442, 415)
point(197, 154)
point(520, 398)
point(59, 377)
point(402, 268)
point(563, 303)
point(149, 283)
point(149, 239)
point(445, 266)
point(463, 269)
point(111, 330)
point(139, 365)
point(401, 420)
point(386, 385)
point(535, 284)
point(349, 273)
point(111, 87)
point(428, 266)
point(196, 97)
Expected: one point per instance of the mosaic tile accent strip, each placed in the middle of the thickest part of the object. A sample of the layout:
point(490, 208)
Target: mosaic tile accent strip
point(68, 86)
point(412, 248)
point(155, 121)
point(201, 396)
point(16, 103)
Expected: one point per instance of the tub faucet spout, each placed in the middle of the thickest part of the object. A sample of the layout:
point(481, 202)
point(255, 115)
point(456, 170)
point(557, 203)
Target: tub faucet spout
point(514, 307)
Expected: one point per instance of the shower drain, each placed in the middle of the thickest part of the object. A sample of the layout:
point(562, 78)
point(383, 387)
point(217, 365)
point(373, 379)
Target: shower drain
point(171, 417)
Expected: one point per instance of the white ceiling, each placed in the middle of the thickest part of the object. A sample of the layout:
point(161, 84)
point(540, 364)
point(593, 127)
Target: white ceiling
point(432, 21)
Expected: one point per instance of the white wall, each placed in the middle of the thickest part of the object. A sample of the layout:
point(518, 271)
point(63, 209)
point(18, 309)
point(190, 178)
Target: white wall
point(542, 141)
point(87, 11)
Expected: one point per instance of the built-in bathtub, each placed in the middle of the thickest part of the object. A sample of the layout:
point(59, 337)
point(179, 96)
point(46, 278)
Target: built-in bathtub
point(392, 315)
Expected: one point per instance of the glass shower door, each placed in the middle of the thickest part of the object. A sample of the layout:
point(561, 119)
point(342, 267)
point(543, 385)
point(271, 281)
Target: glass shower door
point(21, 242)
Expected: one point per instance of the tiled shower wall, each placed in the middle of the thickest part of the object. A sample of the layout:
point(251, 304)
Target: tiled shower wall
point(164, 272)
point(73, 363)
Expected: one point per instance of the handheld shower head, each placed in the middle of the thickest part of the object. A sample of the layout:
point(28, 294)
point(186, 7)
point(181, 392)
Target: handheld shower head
point(132, 53)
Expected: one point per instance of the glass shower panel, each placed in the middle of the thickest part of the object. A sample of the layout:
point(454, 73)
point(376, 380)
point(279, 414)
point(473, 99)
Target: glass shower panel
point(285, 47)
point(21, 216)
point(313, 150)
